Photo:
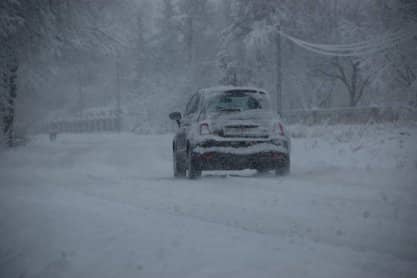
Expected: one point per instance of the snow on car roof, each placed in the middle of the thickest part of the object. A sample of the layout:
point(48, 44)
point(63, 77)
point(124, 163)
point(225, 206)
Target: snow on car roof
point(231, 88)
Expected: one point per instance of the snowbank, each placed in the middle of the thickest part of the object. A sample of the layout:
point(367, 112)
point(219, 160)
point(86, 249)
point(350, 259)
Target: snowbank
point(372, 146)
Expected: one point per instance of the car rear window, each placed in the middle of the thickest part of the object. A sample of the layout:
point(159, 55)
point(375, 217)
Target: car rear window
point(236, 101)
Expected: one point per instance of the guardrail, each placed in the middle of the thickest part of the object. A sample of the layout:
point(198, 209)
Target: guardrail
point(109, 121)
point(112, 121)
point(357, 115)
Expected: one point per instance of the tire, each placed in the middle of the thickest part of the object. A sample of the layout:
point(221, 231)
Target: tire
point(283, 170)
point(193, 171)
point(262, 171)
point(179, 166)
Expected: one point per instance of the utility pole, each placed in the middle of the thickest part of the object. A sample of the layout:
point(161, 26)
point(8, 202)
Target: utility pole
point(80, 93)
point(118, 96)
point(278, 70)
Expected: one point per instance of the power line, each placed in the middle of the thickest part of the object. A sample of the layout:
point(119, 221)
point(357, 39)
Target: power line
point(349, 49)
point(368, 47)
point(361, 45)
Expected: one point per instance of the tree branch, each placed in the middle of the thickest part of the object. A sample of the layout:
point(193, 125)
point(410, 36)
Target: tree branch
point(330, 75)
point(362, 89)
point(343, 77)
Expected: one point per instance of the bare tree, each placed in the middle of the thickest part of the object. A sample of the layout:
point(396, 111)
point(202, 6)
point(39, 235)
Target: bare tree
point(349, 72)
point(404, 69)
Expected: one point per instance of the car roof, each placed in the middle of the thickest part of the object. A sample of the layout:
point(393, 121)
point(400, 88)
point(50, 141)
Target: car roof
point(217, 89)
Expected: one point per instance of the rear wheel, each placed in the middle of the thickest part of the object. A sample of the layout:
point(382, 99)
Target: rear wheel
point(283, 170)
point(262, 171)
point(179, 165)
point(193, 170)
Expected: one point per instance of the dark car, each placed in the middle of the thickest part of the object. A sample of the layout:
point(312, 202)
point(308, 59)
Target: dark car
point(229, 128)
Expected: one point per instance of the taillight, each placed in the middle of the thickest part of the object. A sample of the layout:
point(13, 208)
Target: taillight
point(204, 129)
point(279, 128)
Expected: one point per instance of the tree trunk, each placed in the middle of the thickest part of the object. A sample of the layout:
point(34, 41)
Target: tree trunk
point(415, 100)
point(10, 77)
point(351, 99)
point(354, 82)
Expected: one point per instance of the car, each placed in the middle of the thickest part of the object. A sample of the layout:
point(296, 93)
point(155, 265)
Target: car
point(229, 128)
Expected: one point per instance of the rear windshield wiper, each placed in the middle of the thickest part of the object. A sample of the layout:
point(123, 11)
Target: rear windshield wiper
point(228, 110)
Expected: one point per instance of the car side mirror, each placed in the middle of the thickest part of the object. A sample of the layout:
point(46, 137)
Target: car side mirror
point(176, 116)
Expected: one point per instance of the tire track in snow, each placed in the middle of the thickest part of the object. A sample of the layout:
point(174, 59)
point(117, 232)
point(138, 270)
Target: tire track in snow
point(291, 228)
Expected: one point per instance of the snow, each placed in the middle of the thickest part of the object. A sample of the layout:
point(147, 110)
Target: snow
point(106, 205)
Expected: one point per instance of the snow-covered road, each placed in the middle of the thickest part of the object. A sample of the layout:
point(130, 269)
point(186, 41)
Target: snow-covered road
point(107, 206)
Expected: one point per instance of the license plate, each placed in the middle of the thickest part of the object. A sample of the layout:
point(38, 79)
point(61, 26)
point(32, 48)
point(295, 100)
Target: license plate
point(239, 131)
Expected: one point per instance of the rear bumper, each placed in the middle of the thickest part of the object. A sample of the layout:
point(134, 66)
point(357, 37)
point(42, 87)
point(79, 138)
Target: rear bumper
point(227, 161)
point(239, 155)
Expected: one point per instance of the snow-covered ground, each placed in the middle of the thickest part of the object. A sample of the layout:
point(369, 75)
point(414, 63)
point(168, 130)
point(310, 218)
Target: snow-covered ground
point(107, 206)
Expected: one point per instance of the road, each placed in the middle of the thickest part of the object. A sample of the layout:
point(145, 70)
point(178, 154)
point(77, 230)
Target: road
point(108, 206)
